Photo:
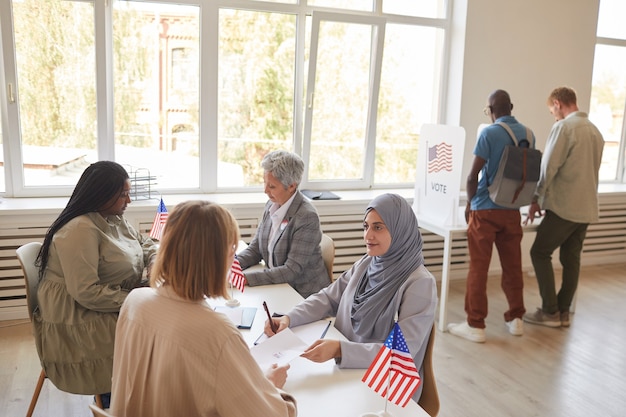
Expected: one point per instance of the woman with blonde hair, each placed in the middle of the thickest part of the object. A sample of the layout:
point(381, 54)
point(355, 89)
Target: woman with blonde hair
point(174, 355)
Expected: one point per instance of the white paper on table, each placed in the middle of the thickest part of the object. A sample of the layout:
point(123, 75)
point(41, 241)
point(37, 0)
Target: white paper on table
point(279, 349)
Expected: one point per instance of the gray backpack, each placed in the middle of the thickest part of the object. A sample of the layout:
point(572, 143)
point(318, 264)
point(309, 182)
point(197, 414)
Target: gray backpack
point(518, 173)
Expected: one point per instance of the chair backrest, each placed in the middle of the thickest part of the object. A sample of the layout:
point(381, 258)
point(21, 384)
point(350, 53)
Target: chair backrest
point(99, 412)
point(429, 400)
point(328, 254)
point(27, 254)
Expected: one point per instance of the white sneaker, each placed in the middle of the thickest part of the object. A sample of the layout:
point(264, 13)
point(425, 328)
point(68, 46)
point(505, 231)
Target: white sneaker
point(465, 331)
point(516, 327)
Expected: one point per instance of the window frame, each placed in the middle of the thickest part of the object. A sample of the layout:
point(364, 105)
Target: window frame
point(207, 129)
point(620, 173)
point(378, 38)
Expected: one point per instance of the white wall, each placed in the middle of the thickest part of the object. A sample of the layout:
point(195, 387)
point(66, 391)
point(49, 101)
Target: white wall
point(526, 47)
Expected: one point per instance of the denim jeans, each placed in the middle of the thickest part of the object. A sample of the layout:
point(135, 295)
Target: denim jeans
point(555, 232)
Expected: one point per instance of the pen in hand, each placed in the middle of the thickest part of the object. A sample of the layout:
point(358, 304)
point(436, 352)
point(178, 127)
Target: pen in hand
point(269, 317)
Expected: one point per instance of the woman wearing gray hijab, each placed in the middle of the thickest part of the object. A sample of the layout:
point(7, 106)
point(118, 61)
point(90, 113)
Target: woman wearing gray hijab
point(389, 281)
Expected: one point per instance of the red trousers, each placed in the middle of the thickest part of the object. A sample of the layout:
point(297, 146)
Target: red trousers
point(486, 227)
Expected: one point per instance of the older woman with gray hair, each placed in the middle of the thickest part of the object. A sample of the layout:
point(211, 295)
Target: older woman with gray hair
point(390, 282)
point(288, 237)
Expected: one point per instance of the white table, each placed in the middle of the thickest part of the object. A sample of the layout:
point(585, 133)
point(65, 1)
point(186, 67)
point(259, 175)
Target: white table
point(320, 389)
point(448, 233)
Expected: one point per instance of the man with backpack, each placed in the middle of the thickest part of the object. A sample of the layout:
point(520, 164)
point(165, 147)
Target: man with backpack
point(568, 192)
point(490, 223)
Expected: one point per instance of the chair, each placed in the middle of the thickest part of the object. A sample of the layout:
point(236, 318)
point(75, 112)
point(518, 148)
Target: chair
point(328, 254)
point(429, 400)
point(26, 255)
point(98, 411)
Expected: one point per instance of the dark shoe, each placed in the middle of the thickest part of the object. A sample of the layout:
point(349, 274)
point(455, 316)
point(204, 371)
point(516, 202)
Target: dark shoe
point(543, 319)
point(106, 400)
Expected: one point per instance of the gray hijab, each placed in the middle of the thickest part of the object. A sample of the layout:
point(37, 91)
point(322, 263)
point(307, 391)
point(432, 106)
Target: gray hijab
point(386, 273)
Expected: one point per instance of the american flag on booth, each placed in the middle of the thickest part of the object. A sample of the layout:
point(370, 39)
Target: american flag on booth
point(159, 222)
point(393, 374)
point(440, 158)
point(236, 276)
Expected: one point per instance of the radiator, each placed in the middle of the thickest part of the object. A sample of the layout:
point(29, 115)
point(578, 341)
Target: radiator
point(605, 243)
point(12, 282)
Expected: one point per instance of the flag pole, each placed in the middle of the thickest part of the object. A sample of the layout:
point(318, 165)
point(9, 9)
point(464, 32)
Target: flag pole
point(233, 302)
point(426, 166)
point(393, 344)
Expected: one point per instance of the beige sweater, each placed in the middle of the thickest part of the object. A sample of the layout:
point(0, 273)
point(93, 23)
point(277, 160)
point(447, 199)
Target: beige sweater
point(179, 358)
point(92, 266)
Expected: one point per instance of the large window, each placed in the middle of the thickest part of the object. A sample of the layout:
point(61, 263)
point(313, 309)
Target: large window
point(56, 73)
point(255, 107)
point(341, 95)
point(409, 92)
point(608, 93)
point(156, 75)
point(194, 93)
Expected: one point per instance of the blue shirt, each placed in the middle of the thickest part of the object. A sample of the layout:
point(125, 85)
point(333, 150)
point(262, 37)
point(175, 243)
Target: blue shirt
point(490, 146)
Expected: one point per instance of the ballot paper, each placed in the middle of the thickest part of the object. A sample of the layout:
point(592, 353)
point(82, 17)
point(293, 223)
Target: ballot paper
point(279, 349)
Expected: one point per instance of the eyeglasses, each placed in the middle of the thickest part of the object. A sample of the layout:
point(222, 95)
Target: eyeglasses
point(487, 110)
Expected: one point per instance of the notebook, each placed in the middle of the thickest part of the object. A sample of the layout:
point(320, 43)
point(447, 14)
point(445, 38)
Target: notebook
point(320, 195)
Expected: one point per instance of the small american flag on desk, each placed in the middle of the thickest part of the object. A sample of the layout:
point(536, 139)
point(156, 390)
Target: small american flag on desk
point(236, 276)
point(393, 374)
point(159, 222)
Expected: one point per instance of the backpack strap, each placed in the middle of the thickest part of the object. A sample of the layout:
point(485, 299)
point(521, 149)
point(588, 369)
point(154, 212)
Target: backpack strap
point(509, 131)
point(529, 134)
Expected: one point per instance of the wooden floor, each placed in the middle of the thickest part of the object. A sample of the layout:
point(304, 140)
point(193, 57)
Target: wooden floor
point(575, 372)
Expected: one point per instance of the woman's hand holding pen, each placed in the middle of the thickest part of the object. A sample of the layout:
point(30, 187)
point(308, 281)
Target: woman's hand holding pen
point(280, 323)
point(322, 350)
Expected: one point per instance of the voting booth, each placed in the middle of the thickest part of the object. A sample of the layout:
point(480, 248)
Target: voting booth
point(438, 174)
point(437, 194)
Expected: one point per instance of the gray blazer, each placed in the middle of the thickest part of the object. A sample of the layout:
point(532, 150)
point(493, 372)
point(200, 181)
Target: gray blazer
point(297, 257)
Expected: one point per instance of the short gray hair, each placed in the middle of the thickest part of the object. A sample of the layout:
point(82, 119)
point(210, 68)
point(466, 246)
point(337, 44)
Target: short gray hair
point(287, 167)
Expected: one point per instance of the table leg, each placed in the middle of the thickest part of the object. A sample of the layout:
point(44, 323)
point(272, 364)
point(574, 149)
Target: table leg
point(445, 282)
